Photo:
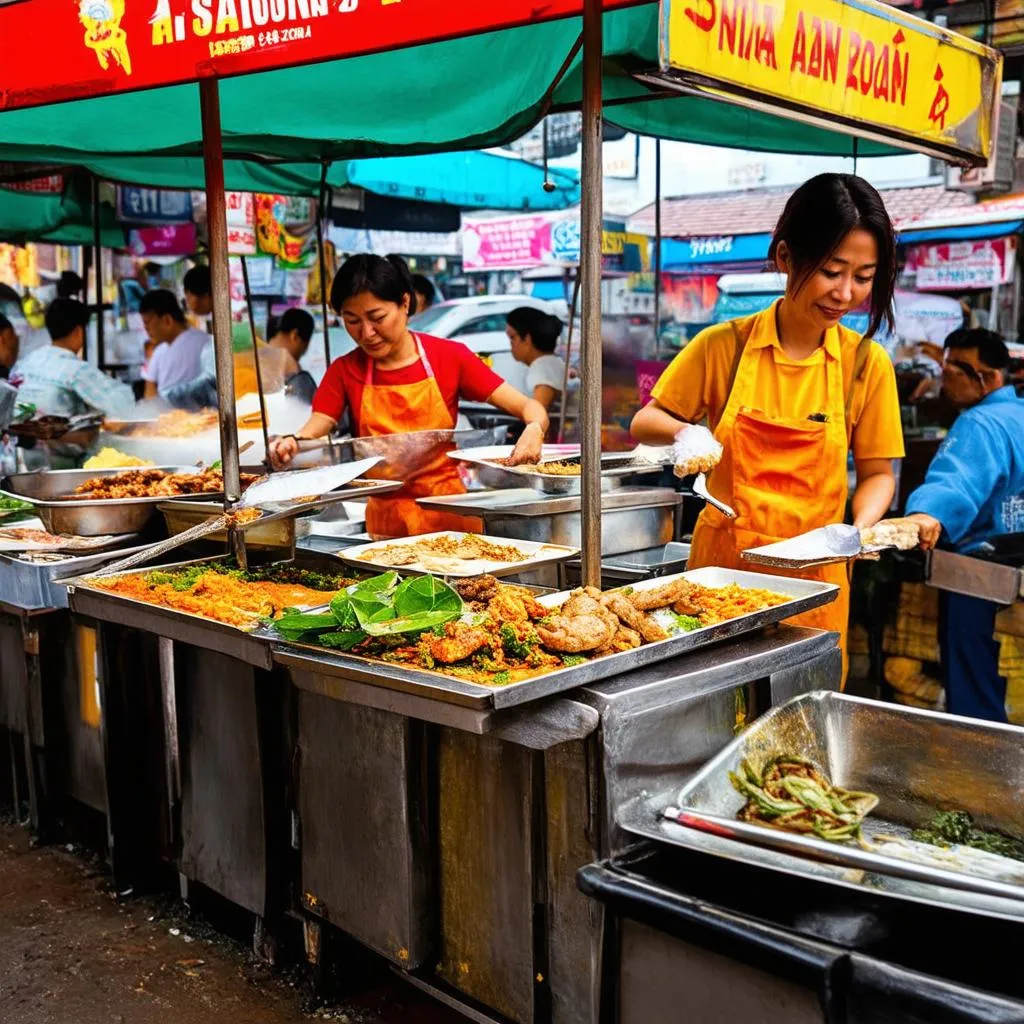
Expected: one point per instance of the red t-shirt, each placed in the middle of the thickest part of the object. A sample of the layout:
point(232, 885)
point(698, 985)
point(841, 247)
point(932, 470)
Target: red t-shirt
point(460, 373)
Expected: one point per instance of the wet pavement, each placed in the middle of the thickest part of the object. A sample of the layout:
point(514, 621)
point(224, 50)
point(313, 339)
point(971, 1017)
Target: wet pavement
point(72, 951)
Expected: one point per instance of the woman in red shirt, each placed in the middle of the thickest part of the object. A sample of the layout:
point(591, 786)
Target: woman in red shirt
point(397, 381)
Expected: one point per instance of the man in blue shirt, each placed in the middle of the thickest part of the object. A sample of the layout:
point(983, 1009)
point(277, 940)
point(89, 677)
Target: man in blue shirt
point(974, 491)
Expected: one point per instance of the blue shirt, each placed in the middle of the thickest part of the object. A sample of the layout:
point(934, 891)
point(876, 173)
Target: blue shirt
point(58, 383)
point(975, 484)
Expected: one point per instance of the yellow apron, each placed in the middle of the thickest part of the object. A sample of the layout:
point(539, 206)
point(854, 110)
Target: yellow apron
point(789, 476)
point(396, 409)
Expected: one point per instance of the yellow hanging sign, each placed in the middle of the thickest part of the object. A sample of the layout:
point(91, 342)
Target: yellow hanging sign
point(857, 66)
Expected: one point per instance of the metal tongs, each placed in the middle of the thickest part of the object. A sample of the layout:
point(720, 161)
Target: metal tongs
point(699, 488)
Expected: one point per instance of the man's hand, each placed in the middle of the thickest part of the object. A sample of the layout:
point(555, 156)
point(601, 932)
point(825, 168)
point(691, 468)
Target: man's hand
point(931, 529)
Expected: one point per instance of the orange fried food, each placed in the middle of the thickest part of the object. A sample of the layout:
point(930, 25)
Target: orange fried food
point(663, 596)
point(583, 624)
point(625, 639)
point(459, 641)
point(636, 620)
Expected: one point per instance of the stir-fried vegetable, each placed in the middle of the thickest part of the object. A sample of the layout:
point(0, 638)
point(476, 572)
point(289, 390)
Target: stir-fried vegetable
point(791, 793)
point(950, 828)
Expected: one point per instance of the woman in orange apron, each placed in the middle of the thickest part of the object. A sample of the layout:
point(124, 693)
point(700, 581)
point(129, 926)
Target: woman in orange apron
point(397, 381)
point(790, 391)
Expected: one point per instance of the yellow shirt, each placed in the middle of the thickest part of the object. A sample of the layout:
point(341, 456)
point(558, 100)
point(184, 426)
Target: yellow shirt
point(696, 385)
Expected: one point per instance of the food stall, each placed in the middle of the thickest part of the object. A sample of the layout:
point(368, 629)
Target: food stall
point(262, 748)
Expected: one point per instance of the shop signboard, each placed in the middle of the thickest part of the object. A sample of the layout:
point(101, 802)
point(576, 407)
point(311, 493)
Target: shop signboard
point(167, 240)
point(153, 206)
point(119, 46)
point(962, 266)
point(858, 66)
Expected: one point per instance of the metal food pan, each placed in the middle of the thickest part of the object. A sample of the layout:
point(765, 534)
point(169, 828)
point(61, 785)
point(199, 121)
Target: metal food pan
point(917, 762)
point(804, 595)
point(90, 518)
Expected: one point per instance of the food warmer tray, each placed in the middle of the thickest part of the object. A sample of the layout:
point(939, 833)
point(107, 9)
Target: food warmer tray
point(90, 518)
point(30, 584)
point(804, 594)
point(917, 762)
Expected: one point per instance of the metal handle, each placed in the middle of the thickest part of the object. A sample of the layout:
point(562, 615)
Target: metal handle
point(700, 488)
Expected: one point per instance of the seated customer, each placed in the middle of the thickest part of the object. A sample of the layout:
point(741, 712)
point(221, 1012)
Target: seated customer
point(177, 356)
point(291, 334)
point(57, 381)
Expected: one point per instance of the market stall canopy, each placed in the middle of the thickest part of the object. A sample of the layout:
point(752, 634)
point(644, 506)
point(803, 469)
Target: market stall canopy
point(472, 180)
point(62, 217)
point(467, 93)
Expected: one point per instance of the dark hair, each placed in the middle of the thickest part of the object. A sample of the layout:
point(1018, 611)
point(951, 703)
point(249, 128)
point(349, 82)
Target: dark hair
point(819, 215)
point(425, 287)
point(161, 302)
point(543, 328)
point(197, 281)
point(63, 316)
point(293, 319)
point(151, 267)
point(5, 324)
point(386, 277)
point(69, 284)
point(992, 350)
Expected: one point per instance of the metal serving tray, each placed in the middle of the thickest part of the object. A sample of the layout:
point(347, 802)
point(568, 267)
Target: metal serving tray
point(30, 584)
point(90, 518)
point(917, 762)
point(804, 594)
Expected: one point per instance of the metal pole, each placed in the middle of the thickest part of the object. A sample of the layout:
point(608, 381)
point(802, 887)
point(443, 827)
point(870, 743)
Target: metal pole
point(591, 215)
point(101, 353)
point(256, 357)
point(568, 355)
point(217, 225)
point(320, 215)
point(657, 247)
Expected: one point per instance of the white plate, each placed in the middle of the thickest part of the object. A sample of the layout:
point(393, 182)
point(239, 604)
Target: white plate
point(69, 545)
point(536, 554)
point(298, 483)
point(549, 453)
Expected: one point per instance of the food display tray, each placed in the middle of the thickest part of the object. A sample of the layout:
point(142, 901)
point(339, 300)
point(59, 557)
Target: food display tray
point(803, 594)
point(917, 762)
point(536, 555)
point(90, 518)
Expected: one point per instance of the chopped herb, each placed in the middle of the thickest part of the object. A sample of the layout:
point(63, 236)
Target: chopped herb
point(957, 827)
point(688, 623)
point(571, 660)
point(501, 678)
point(515, 646)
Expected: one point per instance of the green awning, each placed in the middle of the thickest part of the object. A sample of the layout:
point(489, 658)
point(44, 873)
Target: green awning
point(460, 94)
point(60, 219)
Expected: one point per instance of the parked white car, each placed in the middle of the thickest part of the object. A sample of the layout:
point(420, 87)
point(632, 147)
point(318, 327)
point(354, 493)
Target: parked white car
point(479, 323)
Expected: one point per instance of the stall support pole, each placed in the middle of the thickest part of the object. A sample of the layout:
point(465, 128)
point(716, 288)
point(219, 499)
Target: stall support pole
point(591, 214)
point(256, 358)
point(101, 349)
point(217, 225)
point(657, 248)
point(568, 354)
point(321, 213)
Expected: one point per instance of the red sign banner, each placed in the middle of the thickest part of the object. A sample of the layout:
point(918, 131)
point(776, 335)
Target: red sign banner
point(98, 47)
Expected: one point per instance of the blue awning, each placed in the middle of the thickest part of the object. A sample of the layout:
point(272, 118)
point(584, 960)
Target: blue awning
point(963, 233)
point(691, 253)
point(473, 180)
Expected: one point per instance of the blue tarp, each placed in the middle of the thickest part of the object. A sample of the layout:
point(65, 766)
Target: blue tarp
point(472, 180)
point(964, 233)
point(732, 307)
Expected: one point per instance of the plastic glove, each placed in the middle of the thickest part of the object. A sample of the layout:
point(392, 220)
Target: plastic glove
point(695, 450)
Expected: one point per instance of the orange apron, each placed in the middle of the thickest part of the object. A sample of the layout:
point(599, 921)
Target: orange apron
point(789, 476)
point(395, 409)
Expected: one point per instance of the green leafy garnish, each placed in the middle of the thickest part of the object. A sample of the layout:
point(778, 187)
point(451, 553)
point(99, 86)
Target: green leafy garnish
point(417, 604)
point(343, 612)
point(501, 678)
point(305, 622)
point(514, 646)
point(373, 600)
point(344, 640)
point(688, 623)
point(14, 505)
point(571, 660)
point(957, 827)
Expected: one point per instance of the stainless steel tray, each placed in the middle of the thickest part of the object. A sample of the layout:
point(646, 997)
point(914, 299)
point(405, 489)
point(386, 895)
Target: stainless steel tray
point(975, 577)
point(89, 518)
point(30, 584)
point(805, 594)
point(918, 762)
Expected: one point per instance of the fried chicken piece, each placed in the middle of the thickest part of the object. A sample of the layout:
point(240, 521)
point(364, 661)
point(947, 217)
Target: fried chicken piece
point(583, 624)
point(636, 620)
point(625, 639)
point(663, 596)
point(459, 642)
point(478, 589)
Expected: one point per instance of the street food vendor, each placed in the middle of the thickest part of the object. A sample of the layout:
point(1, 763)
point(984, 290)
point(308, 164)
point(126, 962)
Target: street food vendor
point(974, 491)
point(790, 391)
point(397, 381)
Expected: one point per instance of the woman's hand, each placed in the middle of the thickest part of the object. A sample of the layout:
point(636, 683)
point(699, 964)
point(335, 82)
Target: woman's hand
point(283, 450)
point(529, 447)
